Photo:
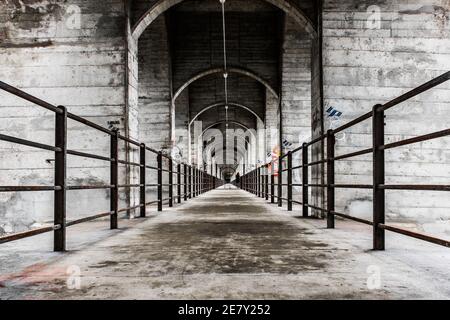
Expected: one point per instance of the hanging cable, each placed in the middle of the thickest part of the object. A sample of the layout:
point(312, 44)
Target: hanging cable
point(225, 66)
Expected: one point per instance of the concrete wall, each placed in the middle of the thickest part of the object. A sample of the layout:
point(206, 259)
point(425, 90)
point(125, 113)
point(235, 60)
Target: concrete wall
point(272, 123)
point(296, 94)
point(365, 63)
point(154, 86)
point(154, 96)
point(68, 53)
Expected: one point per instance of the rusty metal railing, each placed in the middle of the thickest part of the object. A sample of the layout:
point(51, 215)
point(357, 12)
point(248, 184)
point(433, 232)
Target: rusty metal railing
point(257, 181)
point(193, 180)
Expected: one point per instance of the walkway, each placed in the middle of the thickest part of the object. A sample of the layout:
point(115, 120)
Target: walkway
point(226, 244)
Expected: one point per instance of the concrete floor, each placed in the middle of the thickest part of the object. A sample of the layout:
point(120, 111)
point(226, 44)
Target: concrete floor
point(226, 244)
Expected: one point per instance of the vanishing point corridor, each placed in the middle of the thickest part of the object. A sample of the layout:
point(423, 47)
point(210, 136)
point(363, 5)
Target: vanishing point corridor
point(226, 244)
point(224, 149)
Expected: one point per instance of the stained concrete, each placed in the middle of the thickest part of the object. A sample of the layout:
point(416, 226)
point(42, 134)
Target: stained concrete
point(226, 244)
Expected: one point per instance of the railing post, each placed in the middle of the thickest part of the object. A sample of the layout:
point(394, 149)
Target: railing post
point(190, 182)
point(289, 182)
point(211, 176)
point(202, 182)
point(259, 183)
point(142, 182)
point(160, 172)
point(272, 183)
point(59, 240)
point(280, 182)
point(266, 186)
point(170, 182)
point(378, 178)
point(305, 179)
point(179, 182)
point(194, 182)
point(248, 181)
point(255, 182)
point(331, 140)
point(185, 180)
point(197, 182)
point(114, 179)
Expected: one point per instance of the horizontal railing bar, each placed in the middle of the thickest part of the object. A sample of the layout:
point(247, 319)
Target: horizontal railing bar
point(130, 163)
point(88, 155)
point(297, 149)
point(353, 154)
point(21, 94)
point(29, 188)
point(151, 150)
point(318, 139)
point(352, 186)
point(315, 163)
point(130, 208)
point(297, 167)
point(86, 219)
point(416, 91)
point(421, 187)
point(315, 207)
point(297, 202)
point(28, 143)
point(136, 143)
point(130, 185)
point(416, 235)
point(346, 216)
point(89, 123)
point(354, 122)
point(89, 187)
point(315, 185)
point(425, 137)
point(26, 234)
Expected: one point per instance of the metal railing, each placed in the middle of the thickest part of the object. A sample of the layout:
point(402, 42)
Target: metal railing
point(257, 181)
point(190, 181)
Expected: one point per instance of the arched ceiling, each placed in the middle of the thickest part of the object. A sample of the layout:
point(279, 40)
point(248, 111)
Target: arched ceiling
point(254, 38)
point(157, 8)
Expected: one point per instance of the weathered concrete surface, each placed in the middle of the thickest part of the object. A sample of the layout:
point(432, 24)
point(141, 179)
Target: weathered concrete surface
point(373, 52)
point(69, 53)
point(224, 244)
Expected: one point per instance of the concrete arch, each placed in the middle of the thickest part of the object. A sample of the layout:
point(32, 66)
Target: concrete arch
point(238, 151)
point(211, 71)
point(230, 121)
point(234, 104)
point(162, 6)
